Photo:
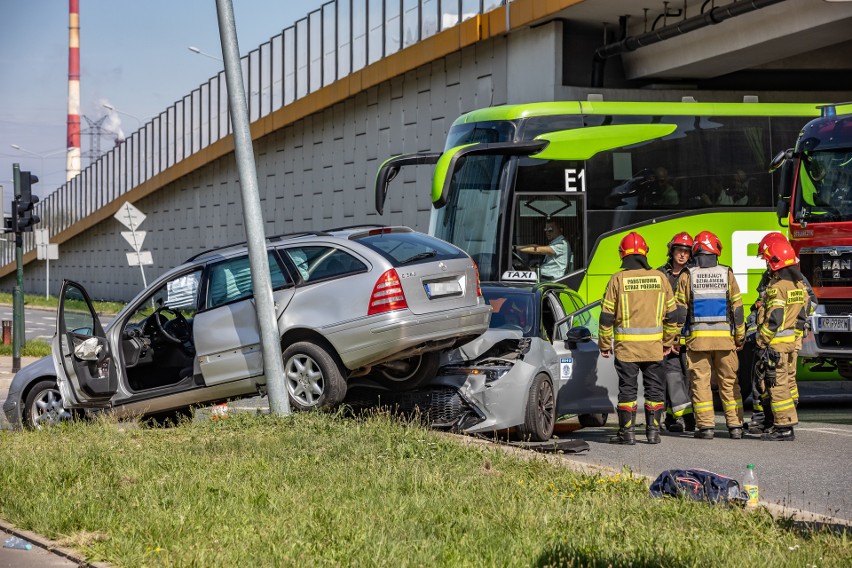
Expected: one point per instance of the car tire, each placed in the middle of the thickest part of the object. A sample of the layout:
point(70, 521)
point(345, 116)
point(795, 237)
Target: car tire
point(540, 413)
point(413, 373)
point(592, 420)
point(43, 406)
point(313, 376)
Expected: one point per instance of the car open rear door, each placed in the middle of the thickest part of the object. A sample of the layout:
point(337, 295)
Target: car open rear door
point(82, 357)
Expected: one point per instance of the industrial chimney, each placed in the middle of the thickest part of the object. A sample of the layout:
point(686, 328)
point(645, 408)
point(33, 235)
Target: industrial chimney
point(72, 167)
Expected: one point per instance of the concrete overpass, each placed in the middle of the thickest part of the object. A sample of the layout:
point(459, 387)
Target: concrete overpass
point(332, 97)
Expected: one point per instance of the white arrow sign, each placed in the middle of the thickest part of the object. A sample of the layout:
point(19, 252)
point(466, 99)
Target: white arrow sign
point(134, 238)
point(129, 216)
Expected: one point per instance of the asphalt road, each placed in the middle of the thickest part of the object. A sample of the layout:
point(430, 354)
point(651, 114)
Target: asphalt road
point(812, 473)
point(38, 323)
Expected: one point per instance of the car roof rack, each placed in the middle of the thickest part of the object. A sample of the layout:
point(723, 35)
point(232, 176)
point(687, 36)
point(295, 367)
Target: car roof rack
point(281, 237)
point(359, 226)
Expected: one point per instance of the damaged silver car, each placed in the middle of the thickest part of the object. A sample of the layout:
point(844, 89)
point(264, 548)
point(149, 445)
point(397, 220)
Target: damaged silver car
point(535, 363)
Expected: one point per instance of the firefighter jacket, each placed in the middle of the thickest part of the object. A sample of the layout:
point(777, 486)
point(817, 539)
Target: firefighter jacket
point(638, 315)
point(768, 276)
point(781, 320)
point(710, 300)
point(673, 278)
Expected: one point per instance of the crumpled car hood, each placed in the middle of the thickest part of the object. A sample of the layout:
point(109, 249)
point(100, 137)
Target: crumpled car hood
point(506, 340)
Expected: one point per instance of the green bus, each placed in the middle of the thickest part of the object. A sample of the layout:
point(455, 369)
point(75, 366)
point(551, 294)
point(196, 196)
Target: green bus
point(600, 170)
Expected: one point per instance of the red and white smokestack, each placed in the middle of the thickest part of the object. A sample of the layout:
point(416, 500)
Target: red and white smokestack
point(72, 167)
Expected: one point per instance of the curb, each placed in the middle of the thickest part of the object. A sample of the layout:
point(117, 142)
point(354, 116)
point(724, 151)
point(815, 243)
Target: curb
point(51, 546)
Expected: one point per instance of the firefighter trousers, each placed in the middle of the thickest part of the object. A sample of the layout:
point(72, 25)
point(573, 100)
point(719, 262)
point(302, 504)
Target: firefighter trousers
point(628, 381)
point(703, 365)
point(678, 400)
point(779, 399)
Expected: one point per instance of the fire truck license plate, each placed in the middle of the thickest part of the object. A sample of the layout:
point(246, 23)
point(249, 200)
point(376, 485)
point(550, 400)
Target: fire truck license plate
point(841, 324)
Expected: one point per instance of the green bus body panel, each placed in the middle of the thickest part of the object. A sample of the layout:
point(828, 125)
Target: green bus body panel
point(513, 112)
point(730, 226)
point(583, 143)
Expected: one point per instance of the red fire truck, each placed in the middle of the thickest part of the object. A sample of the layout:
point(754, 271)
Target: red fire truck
point(816, 190)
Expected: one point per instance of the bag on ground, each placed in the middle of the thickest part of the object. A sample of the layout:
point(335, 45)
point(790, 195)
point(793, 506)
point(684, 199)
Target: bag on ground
point(698, 485)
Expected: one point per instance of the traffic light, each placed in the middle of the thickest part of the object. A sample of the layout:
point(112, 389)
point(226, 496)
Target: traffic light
point(23, 206)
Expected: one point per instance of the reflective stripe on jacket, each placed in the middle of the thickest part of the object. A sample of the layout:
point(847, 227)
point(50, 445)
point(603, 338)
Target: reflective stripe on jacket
point(782, 319)
point(638, 315)
point(711, 299)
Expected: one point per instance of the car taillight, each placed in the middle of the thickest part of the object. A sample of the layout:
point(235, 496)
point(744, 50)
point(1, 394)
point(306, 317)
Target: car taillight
point(478, 289)
point(387, 294)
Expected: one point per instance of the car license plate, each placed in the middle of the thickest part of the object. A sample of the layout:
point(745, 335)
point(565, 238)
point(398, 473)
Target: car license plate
point(443, 288)
point(839, 324)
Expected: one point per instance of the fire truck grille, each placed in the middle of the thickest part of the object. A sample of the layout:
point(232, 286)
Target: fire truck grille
point(832, 309)
point(827, 267)
point(439, 407)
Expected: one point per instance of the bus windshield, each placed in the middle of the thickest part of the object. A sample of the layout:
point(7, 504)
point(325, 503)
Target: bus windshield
point(470, 217)
point(824, 187)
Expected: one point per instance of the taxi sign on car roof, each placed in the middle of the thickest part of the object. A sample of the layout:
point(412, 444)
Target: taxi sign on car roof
point(520, 276)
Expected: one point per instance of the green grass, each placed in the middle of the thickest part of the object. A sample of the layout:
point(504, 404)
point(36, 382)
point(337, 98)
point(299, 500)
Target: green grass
point(316, 489)
point(39, 301)
point(32, 348)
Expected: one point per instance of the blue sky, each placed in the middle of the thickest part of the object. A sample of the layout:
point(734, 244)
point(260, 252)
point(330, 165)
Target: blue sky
point(133, 55)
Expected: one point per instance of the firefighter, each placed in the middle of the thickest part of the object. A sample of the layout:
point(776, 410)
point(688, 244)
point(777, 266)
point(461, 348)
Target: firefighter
point(678, 403)
point(780, 328)
point(709, 299)
point(638, 323)
point(759, 421)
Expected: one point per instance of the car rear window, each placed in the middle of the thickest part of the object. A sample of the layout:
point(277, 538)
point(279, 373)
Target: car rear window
point(410, 248)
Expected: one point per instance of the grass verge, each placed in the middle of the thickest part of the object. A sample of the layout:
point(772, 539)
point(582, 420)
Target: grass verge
point(38, 301)
point(318, 489)
point(32, 348)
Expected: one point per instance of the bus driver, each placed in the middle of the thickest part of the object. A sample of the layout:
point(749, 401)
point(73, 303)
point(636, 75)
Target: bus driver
point(556, 252)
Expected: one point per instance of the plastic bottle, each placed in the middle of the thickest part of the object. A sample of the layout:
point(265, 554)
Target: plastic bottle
point(17, 542)
point(750, 486)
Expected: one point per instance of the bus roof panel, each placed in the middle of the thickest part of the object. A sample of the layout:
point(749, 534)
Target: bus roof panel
point(518, 111)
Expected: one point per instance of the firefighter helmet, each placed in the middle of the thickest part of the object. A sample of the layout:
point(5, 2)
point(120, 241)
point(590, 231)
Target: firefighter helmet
point(705, 241)
point(633, 243)
point(681, 240)
point(780, 254)
point(767, 239)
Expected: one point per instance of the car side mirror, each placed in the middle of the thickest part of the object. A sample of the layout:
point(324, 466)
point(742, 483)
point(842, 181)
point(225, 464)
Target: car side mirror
point(577, 335)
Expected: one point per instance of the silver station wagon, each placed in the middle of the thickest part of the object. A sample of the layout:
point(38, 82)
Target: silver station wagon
point(355, 303)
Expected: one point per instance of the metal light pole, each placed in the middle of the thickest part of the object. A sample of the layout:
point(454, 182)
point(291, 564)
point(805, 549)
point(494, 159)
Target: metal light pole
point(111, 108)
point(18, 293)
point(194, 49)
point(42, 174)
point(273, 366)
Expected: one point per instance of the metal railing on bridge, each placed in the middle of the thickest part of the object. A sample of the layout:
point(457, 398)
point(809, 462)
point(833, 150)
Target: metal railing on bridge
point(339, 38)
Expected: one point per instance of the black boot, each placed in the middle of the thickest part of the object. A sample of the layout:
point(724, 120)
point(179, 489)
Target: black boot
point(689, 422)
point(736, 433)
point(625, 435)
point(652, 425)
point(704, 434)
point(780, 434)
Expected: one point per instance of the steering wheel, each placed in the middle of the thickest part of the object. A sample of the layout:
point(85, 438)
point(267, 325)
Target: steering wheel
point(180, 323)
point(520, 259)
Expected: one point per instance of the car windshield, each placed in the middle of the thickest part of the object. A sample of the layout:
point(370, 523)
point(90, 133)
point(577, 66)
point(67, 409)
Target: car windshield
point(512, 309)
point(825, 187)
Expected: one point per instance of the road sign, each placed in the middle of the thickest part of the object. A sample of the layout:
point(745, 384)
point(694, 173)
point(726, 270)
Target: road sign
point(134, 238)
point(129, 216)
point(47, 251)
point(142, 258)
point(41, 236)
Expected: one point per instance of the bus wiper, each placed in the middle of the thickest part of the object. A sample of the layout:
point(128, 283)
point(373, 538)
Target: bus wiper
point(420, 256)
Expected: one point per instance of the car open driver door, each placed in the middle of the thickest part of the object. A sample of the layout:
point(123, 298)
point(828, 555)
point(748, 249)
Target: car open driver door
point(82, 356)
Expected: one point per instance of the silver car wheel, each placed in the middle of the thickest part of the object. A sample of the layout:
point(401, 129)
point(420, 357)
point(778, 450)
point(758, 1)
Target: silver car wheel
point(46, 409)
point(305, 381)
